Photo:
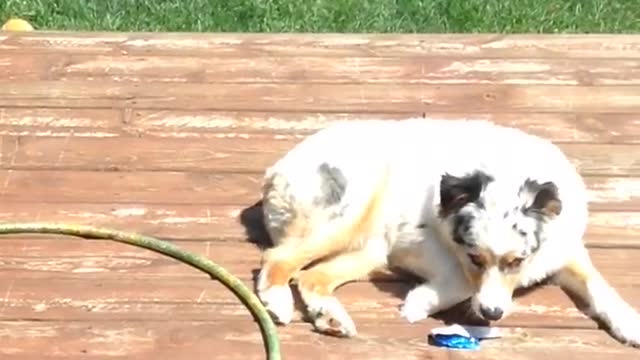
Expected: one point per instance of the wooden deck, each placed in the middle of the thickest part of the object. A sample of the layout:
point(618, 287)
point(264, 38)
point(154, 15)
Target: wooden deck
point(169, 134)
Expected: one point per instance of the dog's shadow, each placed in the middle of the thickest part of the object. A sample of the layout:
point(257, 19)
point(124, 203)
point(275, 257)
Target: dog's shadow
point(251, 218)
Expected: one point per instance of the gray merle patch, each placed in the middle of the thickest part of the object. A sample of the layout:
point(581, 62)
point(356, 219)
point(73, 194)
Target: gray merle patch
point(333, 185)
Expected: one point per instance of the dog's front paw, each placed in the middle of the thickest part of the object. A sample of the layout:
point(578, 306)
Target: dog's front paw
point(278, 301)
point(413, 312)
point(330, 317)
point(417, 305)
point(627, 331)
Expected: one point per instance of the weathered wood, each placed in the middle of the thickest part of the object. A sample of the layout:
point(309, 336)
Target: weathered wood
point(26, 257)
point(334, 45)
point(209, 222)
point(315, 69)
point(46, 121)
point(558, 127)
point(168, 134)
point(141, 187)
point(229, 152)
point(126, 298)
point(320, 97)
point(214, 188)
point(224, 339)
point(180, 340)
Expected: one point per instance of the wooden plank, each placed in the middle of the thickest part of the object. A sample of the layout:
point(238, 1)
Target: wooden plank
point(126, 298)
point(30, 256)
point(48, 121)
point(182, 340)
point(231, 152)
point(209, 222)
point(558, 127)
point(335, 45)
point(228, 152)
point(228, 340)
point(314, 69)
point(322, 97)
point(215, 188)
point(141, 187)
point(173, 221)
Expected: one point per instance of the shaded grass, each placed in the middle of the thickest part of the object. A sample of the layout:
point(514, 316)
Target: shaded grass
point(436, 16)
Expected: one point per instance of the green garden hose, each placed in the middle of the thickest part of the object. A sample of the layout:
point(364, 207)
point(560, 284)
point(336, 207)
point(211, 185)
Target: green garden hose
point(250, 300)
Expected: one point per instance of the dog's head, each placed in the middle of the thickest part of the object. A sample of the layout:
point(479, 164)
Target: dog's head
point(495, 227)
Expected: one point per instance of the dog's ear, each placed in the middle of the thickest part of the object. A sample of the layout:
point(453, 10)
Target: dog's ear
point(546, 199)
point(456, 192)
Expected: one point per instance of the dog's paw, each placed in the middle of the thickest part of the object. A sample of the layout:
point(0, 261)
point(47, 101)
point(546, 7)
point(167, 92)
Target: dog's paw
point(278, 301)
point(330, 317)
point(627, 331)
point(413, 312)
point(417, 304)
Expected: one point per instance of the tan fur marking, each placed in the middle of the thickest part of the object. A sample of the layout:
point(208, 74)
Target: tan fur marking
point(576, 271)
point(510, 281)
point(280, 273)
point(475, 278)
point(349, 237)
point(509, 261)
point(552, 208)
point(488, 260)
point(294, 252)
point(325, 277)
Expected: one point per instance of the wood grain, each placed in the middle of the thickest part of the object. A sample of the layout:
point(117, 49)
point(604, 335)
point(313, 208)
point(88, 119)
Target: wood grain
point(214, 188)
point(320, 97)
point(168, 134)
point(189, 299)
point(203, 340)
point(211, 222)
point(32, 257)
point(559, 127)
point(330, 45)
point(60, 122)
point(230, 152)
point(140, 187)
point(315, 69)
point(182, 340)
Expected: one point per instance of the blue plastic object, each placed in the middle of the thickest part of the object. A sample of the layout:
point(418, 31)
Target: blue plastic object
point(454, 341)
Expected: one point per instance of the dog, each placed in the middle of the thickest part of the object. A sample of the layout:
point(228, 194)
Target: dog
point(475, 209)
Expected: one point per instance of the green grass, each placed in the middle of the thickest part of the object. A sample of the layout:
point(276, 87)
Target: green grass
point(502, 16)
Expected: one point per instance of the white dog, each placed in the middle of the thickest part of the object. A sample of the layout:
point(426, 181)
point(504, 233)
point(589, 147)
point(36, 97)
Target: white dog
point(476, 209)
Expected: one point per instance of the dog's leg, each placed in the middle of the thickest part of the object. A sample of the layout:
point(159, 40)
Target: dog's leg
point(279, 265)
point(318, 283)
point(603, 303)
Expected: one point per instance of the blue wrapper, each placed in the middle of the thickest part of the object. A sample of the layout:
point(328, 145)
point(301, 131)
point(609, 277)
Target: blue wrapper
point(454, 341)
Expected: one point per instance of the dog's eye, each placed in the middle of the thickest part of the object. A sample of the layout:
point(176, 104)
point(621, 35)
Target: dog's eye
point(476, 260)
point(514, 263)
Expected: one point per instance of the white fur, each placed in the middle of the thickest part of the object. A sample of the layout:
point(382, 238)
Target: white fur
point(414, 154)
point(279, 302)
point(330, 316)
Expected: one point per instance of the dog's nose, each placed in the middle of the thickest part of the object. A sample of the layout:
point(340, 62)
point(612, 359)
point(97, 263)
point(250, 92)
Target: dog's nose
point(491, 313)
